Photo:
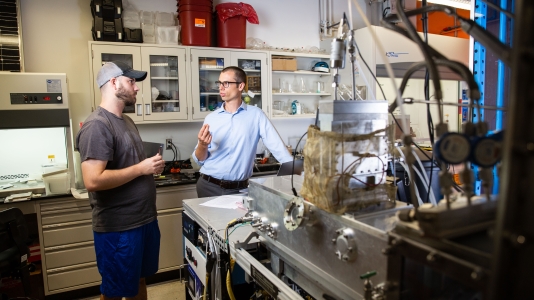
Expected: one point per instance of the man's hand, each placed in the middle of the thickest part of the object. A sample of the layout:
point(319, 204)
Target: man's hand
point(204, 135)
point(152, 165)
point(204, 139)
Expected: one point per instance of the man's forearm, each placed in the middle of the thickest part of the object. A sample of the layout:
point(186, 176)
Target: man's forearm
point(109, 179)
point(201, 152)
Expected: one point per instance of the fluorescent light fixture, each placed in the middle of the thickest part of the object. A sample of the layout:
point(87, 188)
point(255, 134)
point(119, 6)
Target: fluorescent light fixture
point(463, 4)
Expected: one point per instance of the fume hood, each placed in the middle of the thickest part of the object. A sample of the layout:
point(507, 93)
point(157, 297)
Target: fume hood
point(402, 53)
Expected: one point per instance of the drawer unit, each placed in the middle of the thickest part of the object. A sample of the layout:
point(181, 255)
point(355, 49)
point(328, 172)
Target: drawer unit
point(66, 238)
point(70, 279)
point(63, 256)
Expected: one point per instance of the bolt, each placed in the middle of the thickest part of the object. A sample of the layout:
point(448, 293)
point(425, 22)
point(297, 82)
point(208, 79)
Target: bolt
point(345, 258)
point(334, 241)
point(298, 205)
point(477, 274)
point(350, 249)
point(287, 221)
point(293, 223)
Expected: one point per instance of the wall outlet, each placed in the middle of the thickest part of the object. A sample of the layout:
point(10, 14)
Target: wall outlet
point(168, 144)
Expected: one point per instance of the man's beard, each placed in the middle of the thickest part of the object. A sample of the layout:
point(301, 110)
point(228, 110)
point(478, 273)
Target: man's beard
point(124, 96)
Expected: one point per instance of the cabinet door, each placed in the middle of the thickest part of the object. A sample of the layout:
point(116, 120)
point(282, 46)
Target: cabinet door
point(171, 245)
point(165, 88)
point(131, 55)
point(255, 65)
point(206, 65)
point(297, 83)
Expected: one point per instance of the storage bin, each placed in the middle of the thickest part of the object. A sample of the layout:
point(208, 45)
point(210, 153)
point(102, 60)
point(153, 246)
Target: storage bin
point(195, 8)
point(146, 17)
point(165, 19)
point(284, 63)
point(130, 19)
point(56, 182)
point(196, 2)
point(232, 33)
point(195, 27)
point(167, 35)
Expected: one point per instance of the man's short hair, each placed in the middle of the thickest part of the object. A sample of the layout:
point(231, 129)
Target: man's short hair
point(114, 69)
point(239, 74)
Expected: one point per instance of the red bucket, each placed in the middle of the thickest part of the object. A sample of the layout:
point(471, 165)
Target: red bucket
point(195, 2)
point(232, 33)
point(195, 8)
point(195, 27)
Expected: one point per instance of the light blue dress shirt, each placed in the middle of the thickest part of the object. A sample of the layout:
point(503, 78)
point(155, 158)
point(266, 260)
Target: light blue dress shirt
point(235, 137)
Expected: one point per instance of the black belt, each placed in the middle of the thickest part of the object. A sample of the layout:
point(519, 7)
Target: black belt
point(226, 184)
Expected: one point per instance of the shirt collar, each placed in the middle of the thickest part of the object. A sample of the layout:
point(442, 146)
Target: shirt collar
point(243, 106)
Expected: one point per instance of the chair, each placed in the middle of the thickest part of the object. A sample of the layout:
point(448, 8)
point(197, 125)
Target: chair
point(14, 252)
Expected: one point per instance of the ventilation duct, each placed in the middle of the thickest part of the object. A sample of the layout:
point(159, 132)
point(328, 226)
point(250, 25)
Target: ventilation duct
point(10, 36)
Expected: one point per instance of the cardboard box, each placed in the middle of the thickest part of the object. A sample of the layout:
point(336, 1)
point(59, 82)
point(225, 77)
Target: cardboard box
point(253, 84)
point(284, 63)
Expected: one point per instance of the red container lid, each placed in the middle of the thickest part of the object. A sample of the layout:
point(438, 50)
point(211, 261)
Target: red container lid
point(195, 2)
point(194, 8)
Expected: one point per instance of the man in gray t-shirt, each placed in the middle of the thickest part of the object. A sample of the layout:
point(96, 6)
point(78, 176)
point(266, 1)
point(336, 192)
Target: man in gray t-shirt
point(121, 187)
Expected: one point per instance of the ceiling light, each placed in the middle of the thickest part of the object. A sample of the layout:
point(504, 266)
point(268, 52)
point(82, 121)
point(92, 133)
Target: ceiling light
point(463, 4)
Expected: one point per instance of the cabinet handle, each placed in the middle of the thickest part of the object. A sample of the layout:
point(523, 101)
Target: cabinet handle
point(139, 110)
point(147, 109)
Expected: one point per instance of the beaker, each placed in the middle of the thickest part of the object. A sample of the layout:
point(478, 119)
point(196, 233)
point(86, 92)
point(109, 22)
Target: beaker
point(319, 86)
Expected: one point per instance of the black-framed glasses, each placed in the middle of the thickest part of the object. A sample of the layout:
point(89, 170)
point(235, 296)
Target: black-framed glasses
point(225, 83)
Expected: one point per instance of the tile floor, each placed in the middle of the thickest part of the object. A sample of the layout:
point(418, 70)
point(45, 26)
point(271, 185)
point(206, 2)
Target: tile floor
point(168, 290)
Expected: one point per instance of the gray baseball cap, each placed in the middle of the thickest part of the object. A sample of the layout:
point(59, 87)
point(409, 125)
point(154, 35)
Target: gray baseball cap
point(115, 69)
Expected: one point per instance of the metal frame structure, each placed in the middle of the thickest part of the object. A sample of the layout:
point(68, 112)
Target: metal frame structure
point(513, 267)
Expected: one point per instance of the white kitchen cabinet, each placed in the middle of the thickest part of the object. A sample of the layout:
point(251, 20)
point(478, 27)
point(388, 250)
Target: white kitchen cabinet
point(206, 66)
point(163, 95)
point(303, 85)
point(66, 238)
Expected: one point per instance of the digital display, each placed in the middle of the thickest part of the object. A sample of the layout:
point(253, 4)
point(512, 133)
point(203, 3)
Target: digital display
point(46, 98)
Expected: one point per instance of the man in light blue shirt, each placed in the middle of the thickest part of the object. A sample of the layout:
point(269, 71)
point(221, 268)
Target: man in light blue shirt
point(227, 141)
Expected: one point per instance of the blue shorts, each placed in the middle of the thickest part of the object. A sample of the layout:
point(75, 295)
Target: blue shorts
point(124, 257)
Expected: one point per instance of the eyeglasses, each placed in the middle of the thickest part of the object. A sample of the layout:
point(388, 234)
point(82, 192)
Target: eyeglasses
point(225, 83)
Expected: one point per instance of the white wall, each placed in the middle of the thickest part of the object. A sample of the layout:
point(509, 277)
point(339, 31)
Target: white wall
point(56, 35)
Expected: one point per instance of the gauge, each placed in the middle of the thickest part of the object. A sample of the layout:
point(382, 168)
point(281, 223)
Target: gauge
point(487, 151)
point(453, 148)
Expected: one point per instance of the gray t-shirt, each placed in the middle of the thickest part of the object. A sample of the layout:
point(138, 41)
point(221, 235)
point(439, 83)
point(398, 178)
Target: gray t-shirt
point(104, 136)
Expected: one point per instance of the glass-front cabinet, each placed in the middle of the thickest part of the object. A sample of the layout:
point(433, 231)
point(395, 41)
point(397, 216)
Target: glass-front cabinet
point(162, 95)
point(165, 88)
point(255, 66)
point(131, 55)
point(206, 66)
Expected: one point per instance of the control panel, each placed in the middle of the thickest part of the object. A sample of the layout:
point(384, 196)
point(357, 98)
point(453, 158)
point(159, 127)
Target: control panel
point(196, 260)
point(36, 98)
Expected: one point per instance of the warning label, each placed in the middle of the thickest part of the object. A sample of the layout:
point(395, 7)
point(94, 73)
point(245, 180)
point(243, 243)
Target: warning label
point(200, 22)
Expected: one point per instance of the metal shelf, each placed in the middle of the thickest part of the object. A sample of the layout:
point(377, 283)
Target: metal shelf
point(301, 94)
point(302, 72)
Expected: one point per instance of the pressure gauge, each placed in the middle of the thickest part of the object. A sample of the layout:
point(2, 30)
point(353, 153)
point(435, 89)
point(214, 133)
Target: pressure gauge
point(453, 148)
point(487, 151)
